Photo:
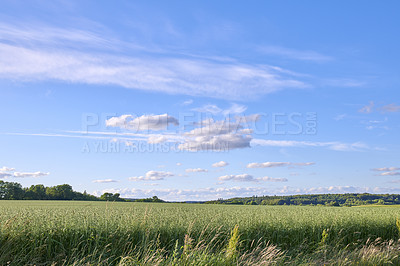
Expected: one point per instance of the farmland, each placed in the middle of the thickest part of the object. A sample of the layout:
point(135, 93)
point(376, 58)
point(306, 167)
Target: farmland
point(125, 233)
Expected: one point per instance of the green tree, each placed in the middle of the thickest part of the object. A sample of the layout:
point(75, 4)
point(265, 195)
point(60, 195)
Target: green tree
point(36, 192)
point(11, 191)
point(111, 197)
point(60, 192)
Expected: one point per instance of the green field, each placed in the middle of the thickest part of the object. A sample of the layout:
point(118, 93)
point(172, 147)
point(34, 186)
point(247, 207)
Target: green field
point(125, 233)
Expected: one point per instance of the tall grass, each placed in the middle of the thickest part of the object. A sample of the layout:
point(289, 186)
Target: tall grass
point(93, 233)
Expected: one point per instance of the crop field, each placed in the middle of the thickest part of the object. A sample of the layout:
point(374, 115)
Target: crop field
point(124, 233)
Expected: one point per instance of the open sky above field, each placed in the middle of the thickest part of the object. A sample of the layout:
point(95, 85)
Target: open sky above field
point(194, 100)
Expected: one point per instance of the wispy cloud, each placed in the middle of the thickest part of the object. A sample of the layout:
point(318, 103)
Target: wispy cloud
point(6, 172)
point(6, 169)
point(42, 53)
point(367, 108)
point(208, 108)
point(104, 181)
point(295, 54)
point(187, 102)
point(250, 178)
point(214, 109)
point(202, 139)
point(220, 164)
point(5, 175)
point(390, 108)
point(151, 176)
point(267, 164)
point(196, 170)
point(340, 117)
point(332, 145)
point(276, 164)
point(272, 179)
point(392, 173)
point(241, 177)
point(235, 109)
point(386, 169)
point(27, 174)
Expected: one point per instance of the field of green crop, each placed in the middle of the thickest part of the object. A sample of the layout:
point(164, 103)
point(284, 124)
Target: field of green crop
point(123, 233)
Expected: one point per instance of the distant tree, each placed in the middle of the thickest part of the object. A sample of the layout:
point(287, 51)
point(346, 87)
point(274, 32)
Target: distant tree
point(153, 199)
point(381, 202)
point(14, 191)
point(60, 192)
point(111, 197)
point(106, 196)
point(36, 192)
point(11, 191)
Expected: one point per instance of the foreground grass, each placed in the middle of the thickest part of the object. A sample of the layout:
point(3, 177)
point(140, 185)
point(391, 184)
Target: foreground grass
point(96, 233)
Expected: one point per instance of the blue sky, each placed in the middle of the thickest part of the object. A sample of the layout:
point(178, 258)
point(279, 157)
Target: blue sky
point(201, 100)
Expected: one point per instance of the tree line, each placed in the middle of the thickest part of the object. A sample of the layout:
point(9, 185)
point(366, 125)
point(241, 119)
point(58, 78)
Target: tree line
point(15, 191)
point(348, 199)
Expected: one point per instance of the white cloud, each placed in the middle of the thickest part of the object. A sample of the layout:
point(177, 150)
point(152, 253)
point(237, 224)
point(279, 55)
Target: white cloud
point(242, 177)
point(142, 123)
point(333, 145)
point(151, 176)
point(387, 169)
point(6, 169)
point(187, 102)
point(156, 139)
point(389, 173)
point(4, 175)
point(142, 178)
point(178, 164)
point(158, 174)
point(272, 179)
point(211, 128)
point(267, 164)
point(276, 164)
point(216, 143)
point(104, 181)
point(349, 147)
point(302, 164)
point(26, 174)
point(246, 131)
point(196, 170)
point(220, 164)
point(368, 108)
point(213, 135)
point(210, 135)
point(250, 178)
